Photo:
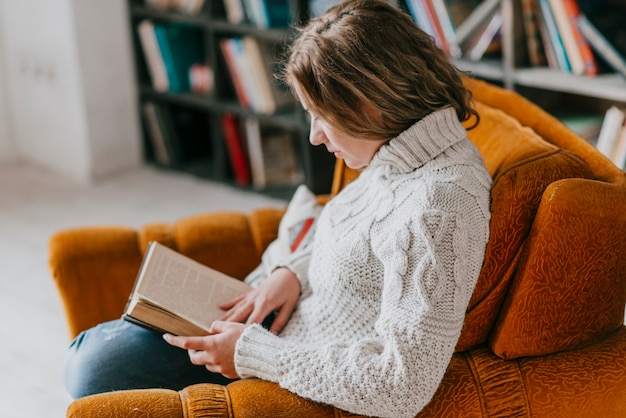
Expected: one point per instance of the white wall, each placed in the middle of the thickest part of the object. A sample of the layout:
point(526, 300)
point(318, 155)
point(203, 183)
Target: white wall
point(70, 87)
point(7, 148)
point(109, 91)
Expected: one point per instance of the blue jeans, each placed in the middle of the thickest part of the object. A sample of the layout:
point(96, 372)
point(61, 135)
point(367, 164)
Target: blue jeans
point(118, 355)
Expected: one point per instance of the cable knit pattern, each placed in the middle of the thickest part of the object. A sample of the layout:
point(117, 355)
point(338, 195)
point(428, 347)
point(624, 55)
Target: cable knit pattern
point(396, 256)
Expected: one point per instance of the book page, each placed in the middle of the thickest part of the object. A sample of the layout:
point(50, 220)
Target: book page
point(189, 289)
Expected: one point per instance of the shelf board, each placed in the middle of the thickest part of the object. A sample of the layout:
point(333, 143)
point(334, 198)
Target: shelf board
point(286, 118)
point(217, 25)
point(488, 68)
point(603, 86)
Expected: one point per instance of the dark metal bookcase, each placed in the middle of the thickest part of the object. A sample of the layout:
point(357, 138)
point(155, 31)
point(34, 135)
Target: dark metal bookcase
point(197, 116)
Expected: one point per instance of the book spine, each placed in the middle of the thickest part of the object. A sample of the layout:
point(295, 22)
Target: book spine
point(234, 11)
point(156, 134)
point(564, 28)
point(277, 13)
point(255, 152)
point(168, 58)
point(260, 79)
point(548, 48)
point(476, 20)
point(435, 25)
point(447, 27)
point(555, 38)
point(535, 54)
point(477, 51)
point(620, 150)
point(246, 74)
point(231, 63)
point(154, 58)
point(610, 131)
point(573, 11)
point(236, 149)
point(172, 143)
point(601, 45)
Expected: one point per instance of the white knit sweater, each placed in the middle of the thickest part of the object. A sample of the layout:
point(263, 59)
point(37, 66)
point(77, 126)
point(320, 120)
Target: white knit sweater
point(385, 287)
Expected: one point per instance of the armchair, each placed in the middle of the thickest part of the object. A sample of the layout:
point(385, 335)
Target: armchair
point(544, 333)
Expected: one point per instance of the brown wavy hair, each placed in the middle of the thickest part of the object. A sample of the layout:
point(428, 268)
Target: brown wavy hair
point(366, 56)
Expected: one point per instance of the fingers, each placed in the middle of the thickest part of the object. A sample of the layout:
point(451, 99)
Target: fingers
point(231, 303)
point(186, 343)
point(238, 313)
point(259, 314)
point(282, 317)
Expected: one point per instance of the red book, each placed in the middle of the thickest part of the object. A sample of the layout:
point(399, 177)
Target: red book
point(573, 11)
point(226, 45)
point(436, 25)
point(236, 149)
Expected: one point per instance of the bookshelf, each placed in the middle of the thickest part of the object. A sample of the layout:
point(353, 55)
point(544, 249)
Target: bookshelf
point(513, 71)
point(197, 118)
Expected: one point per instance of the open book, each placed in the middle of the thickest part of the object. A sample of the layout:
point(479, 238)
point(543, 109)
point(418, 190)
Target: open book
point(178, 295)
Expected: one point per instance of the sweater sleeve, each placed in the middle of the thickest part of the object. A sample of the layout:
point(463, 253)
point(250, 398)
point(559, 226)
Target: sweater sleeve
point(395, 371)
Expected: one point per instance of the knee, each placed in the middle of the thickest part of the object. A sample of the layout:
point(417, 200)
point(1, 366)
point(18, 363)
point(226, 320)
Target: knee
point(89, 366)
point(76, 370)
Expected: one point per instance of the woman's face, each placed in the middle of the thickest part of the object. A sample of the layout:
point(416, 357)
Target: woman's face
point(357, 153)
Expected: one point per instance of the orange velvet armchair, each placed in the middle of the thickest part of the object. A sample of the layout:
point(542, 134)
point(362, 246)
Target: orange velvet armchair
point(544, 334)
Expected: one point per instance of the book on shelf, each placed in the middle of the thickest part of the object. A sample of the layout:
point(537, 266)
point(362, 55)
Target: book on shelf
point(235, 12)
point(165, 143)
point(272, 154)
point(178, 295)
point(190, 7)
point(599, 43)
point(181, 46)
point(553, 38)
point(448, 28)
point(568, 38)
point(230, 50)
point(476, 20)
point(536, 54)
point(619, 157)
point(267, 14)
point(483, 39)
point(260, 60)
point(610, 132)
point(236, 148)
point(573, 12)
point(153, 56)
point(317, 7)
point(423, 14)
point(250, 64)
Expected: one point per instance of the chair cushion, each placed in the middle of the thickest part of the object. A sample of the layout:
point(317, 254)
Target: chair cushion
point(522, 165)
point(568, 290)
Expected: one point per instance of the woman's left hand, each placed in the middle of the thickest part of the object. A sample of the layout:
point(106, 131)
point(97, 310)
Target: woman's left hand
point(216, 352)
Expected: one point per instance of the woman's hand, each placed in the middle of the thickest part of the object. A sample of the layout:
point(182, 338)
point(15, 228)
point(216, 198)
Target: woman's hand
point(278, 292)
point(216, 352)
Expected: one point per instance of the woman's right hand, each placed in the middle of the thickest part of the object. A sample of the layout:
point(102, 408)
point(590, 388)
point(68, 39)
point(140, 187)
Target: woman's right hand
point(278, 293)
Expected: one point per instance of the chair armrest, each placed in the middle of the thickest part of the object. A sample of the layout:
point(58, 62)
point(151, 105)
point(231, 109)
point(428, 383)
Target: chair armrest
point(130, 403)
point(94, 268)
point(241, 399)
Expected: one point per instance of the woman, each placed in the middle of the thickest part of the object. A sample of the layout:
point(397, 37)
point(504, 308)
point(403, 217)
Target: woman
point(368, 316)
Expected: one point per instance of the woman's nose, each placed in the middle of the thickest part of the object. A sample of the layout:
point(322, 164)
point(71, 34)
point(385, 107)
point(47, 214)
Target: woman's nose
point(316, 134)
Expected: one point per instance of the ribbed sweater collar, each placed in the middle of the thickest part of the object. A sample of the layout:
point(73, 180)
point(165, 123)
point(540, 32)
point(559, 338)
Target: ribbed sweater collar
point(422, 142)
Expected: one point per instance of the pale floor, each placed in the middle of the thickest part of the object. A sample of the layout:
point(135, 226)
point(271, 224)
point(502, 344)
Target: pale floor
point(36, 203)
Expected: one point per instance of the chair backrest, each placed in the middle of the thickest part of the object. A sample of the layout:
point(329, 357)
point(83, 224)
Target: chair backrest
point(526, 268)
